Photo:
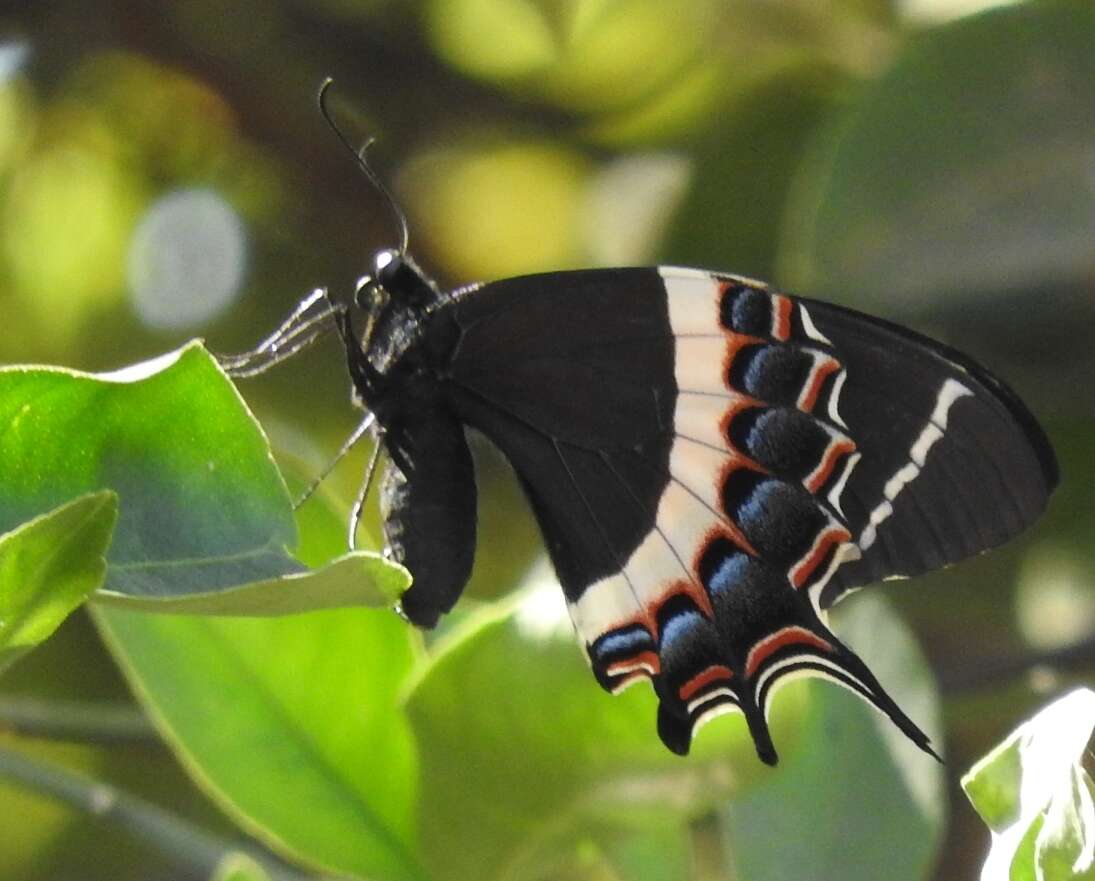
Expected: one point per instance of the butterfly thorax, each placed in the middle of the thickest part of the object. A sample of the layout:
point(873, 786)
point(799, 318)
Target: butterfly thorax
point(398, 338)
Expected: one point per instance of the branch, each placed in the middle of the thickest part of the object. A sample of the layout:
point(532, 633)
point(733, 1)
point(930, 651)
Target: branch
point(181, 839)
point(991, 672)
point(83, 721)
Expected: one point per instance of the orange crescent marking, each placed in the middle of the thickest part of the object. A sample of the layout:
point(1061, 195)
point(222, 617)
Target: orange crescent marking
point(835, 450)
point(804, 568)
point(701, 680)
point(781, 329)
point(768, 646)
point(817, 379)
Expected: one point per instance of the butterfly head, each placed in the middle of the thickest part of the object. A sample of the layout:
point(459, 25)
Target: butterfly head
point(396, 284)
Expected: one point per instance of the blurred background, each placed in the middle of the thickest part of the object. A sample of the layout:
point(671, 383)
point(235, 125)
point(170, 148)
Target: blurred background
point(165, 174)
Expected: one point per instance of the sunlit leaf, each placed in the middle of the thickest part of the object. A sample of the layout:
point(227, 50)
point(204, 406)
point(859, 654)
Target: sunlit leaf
point(503, 208)
point(291, 724)
point(202, 506)
point(1036, 797)
point(48, 567)
point(360, 578)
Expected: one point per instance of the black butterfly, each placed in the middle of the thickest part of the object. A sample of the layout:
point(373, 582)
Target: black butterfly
point(712, 464)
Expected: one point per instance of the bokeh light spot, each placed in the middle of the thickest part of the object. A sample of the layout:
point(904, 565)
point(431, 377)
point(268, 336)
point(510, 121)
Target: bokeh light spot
point(187, 259)
point(492, 38)
point(497, 210)
point(13, 56)
point(67, 219)
point(630, 202)
point(1055, 598)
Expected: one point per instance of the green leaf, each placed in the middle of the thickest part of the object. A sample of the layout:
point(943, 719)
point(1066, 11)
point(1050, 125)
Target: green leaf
point(1036, 798)
point(203, 509)
point(958, 173)
point(48, 567)
point(359, 578)
point(521, 751)
point(855, 763)
point(291, 724)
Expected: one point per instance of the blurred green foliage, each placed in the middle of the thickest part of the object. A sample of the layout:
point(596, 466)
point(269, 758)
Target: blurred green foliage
point(937, 172)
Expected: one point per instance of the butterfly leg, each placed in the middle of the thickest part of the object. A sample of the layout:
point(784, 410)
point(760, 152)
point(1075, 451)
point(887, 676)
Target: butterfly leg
point(303, 326)
point(358, 509)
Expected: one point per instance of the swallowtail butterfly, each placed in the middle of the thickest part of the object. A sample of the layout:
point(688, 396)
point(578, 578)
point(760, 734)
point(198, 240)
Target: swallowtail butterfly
point(712, 464)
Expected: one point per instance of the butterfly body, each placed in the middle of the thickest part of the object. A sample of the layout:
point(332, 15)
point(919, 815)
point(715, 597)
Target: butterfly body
point(711, 464)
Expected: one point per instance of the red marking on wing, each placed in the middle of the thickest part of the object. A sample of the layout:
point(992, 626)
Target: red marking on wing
point(802, 570)
point(703, 679)
point(781, 317)
point(833, 453)
point(771, 644)
point(822, 369)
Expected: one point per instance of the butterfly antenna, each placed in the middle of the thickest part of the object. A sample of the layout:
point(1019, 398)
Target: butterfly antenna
point(362, 163)
point(348, 445)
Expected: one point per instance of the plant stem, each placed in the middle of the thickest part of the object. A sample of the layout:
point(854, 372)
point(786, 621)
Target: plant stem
point(82, 721)
point(709, 861)
point(992, 672)
point(190, 845)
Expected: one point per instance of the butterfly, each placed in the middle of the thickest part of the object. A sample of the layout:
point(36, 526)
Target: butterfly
point(712, 464)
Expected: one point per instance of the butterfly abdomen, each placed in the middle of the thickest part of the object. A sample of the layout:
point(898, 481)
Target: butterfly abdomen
point(428, 502)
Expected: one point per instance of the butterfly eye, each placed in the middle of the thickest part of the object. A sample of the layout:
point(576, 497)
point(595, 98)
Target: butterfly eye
point(369, 295)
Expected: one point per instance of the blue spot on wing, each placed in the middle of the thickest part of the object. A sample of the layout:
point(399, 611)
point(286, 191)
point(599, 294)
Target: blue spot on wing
point(623, 641)
point(729, 573)
point(680, 627)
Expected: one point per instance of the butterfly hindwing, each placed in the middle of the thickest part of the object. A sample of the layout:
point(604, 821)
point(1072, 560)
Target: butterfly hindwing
point(707, 459)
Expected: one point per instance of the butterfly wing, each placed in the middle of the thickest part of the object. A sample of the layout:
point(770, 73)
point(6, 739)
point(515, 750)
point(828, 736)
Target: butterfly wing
point(711, 464)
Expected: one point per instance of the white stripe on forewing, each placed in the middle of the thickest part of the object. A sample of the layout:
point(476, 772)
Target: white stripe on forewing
point(834, 398)
point(811, 329)
point(952, 390)
point(949, 392)
point(838, 487)
point(845, 553)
